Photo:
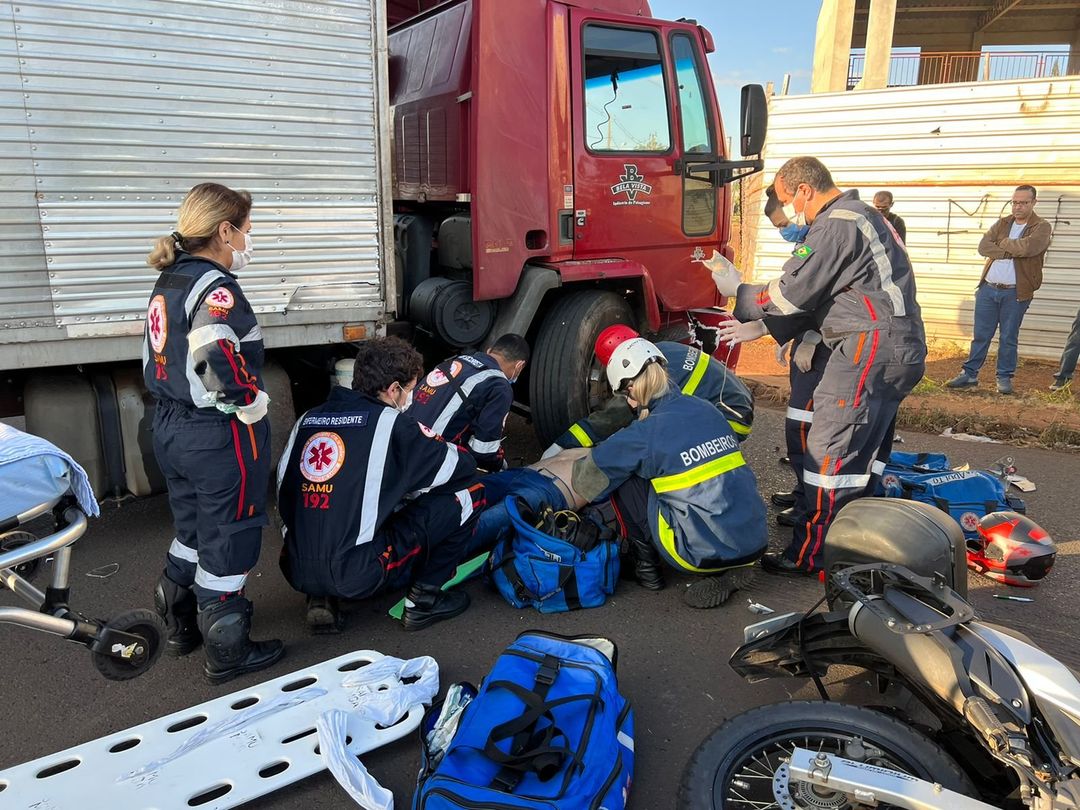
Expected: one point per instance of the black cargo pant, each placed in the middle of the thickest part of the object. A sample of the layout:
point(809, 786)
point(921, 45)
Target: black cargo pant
point(800, 416)
point(217, 470)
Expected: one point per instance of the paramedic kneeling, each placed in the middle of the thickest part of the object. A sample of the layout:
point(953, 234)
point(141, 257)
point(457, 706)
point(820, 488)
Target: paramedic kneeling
point(679, 485)
point(371, 501)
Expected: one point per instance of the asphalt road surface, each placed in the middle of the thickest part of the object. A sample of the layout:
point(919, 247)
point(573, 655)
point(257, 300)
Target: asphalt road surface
point(672, 659)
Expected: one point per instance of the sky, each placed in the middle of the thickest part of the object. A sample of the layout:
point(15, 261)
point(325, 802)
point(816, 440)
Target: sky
point(757, 41)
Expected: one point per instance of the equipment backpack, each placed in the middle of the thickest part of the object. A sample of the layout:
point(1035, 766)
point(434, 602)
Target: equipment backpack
point(555, 561)
point(966, 495)
point(547, 729)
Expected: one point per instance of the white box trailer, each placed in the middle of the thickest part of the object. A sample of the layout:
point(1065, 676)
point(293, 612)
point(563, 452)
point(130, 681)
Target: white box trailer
point(110, 110)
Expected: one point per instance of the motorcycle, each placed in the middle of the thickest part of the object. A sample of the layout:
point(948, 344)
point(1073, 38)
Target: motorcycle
point(991, 719)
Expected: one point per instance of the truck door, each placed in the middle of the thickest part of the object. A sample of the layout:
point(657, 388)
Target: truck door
point(641, 102)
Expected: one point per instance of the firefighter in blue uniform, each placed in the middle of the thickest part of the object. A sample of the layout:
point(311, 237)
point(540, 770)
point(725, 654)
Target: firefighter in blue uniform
point(373, 501)
point(202, 361)
point(466, 399)
point(681, 489)
point(691, 370)
point(854, 279)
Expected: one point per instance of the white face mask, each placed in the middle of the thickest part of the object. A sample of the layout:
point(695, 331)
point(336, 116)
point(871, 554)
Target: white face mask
point(241, 258)
point(408, 401)
point(798, 218)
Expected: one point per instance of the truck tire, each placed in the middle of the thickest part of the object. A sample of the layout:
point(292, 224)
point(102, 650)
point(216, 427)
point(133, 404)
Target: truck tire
point(560, 388)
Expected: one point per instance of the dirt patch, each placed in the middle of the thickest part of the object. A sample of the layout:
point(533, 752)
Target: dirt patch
point(1032, 416)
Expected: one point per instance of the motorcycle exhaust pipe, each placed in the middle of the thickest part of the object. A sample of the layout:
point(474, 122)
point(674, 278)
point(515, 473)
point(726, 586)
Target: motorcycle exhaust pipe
point(928, 659)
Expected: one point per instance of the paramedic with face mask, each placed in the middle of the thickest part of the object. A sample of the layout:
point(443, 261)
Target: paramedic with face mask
point(680, 487)
point(202, 361)
point(853, 279)
point(373, 501)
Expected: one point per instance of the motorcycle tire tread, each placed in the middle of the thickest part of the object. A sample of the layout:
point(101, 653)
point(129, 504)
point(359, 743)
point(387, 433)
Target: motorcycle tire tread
point(699, 776)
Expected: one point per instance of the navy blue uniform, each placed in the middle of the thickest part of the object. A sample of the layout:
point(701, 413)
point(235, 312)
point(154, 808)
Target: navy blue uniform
point(854, 280)
point(694, 373)
point(466, 400)
point(371, 500)
point(703, 509)
point(203, 348)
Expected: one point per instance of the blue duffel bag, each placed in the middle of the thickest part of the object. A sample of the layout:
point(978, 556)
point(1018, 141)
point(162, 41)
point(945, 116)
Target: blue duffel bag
point(533, 566)
point(547, 729)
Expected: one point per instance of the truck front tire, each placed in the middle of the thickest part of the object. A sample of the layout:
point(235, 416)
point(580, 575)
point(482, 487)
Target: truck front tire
point(561, 385)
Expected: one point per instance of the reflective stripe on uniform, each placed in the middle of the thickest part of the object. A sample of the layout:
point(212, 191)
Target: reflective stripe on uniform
point(455, 403)
point(835, 481)
point(373, 478)
point(878, 467)
point(667, 540)
point(881, 257)
point(799, 415)
point(211, 333)
point(283, 462)
point(199, 289)
point(464, 498)
point(777, 297)
point(182, 552)
point(696, 376)
point(739, 428)
point(683, 480)
point(578, 432)
point(484, 447)
point(227, 584)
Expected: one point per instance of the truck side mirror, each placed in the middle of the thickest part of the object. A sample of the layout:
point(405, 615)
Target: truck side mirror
point(754, 120)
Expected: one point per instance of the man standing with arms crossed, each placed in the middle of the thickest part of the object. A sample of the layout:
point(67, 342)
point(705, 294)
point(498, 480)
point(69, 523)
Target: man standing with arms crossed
point(1014, 248)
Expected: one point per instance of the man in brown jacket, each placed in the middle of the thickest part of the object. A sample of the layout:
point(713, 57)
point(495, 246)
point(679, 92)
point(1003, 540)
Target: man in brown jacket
point(1014, 248)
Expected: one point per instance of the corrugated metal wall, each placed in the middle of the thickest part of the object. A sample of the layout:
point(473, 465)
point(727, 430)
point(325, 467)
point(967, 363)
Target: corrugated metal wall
point(110, 110)
point(951, 155)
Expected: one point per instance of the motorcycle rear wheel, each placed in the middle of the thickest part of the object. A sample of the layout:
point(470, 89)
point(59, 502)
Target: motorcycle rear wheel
point(733, 768)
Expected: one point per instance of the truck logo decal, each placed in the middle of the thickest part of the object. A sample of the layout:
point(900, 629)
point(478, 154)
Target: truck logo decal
point(698, 255)
point(156, 324)
point(322, 457)
point(632, 184)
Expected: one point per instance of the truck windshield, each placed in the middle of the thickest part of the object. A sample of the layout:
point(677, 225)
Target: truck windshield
point(626, 107)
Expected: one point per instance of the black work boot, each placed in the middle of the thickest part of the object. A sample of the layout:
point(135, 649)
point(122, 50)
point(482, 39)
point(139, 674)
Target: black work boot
point(229, 650)
point(427, 604)
point(176, 605)
point(324, 616)
point(647, 570)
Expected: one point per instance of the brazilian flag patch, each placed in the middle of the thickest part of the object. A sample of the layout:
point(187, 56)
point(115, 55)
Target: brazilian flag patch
point(802, 252)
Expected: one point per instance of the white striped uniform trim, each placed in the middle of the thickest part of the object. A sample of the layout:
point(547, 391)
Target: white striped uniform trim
point(212, 582)
point(881, 258)
point(799, 415)
point(776, 295)
point(455, 403)
point(835, 481)
point(254, 334)
point(464, 497)
point(182, 552)
point(878, 467)
point(484, 447)
point(445, 471)
point(211, 333)
point(625, 740)
point(380, 448)
point(283, 462)
point(204, 283)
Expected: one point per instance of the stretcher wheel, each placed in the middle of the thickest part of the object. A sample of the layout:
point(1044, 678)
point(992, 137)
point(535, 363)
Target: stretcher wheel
point(139, 622)
point(9, 541)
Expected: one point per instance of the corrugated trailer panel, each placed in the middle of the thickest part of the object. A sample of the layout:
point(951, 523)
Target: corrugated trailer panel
point(111, 111)
point(951, 155)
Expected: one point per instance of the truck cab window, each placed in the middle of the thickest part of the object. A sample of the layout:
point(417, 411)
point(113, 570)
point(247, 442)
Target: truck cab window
point(699, 191)
point(626, 106)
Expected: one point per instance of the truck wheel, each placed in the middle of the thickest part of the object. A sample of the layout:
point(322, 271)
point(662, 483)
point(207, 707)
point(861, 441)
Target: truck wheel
point(565, 382)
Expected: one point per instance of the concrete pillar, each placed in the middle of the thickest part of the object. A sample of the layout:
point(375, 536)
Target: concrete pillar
point(879, 34)
point(832, 46)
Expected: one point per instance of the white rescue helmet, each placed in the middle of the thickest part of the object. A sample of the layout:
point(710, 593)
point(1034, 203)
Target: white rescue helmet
point(629, 359)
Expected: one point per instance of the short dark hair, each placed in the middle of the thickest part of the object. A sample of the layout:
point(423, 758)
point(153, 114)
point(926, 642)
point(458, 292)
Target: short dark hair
point(805, 170)
point(885, 194)
point(1025, 187)
point(511, 347)
point(382, 362)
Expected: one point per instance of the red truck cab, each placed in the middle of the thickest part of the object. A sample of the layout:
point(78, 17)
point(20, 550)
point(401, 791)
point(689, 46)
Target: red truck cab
point(558, 166)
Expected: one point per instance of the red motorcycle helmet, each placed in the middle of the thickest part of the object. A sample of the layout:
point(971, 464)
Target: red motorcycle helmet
point(609, 340)
point(1011, 548)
